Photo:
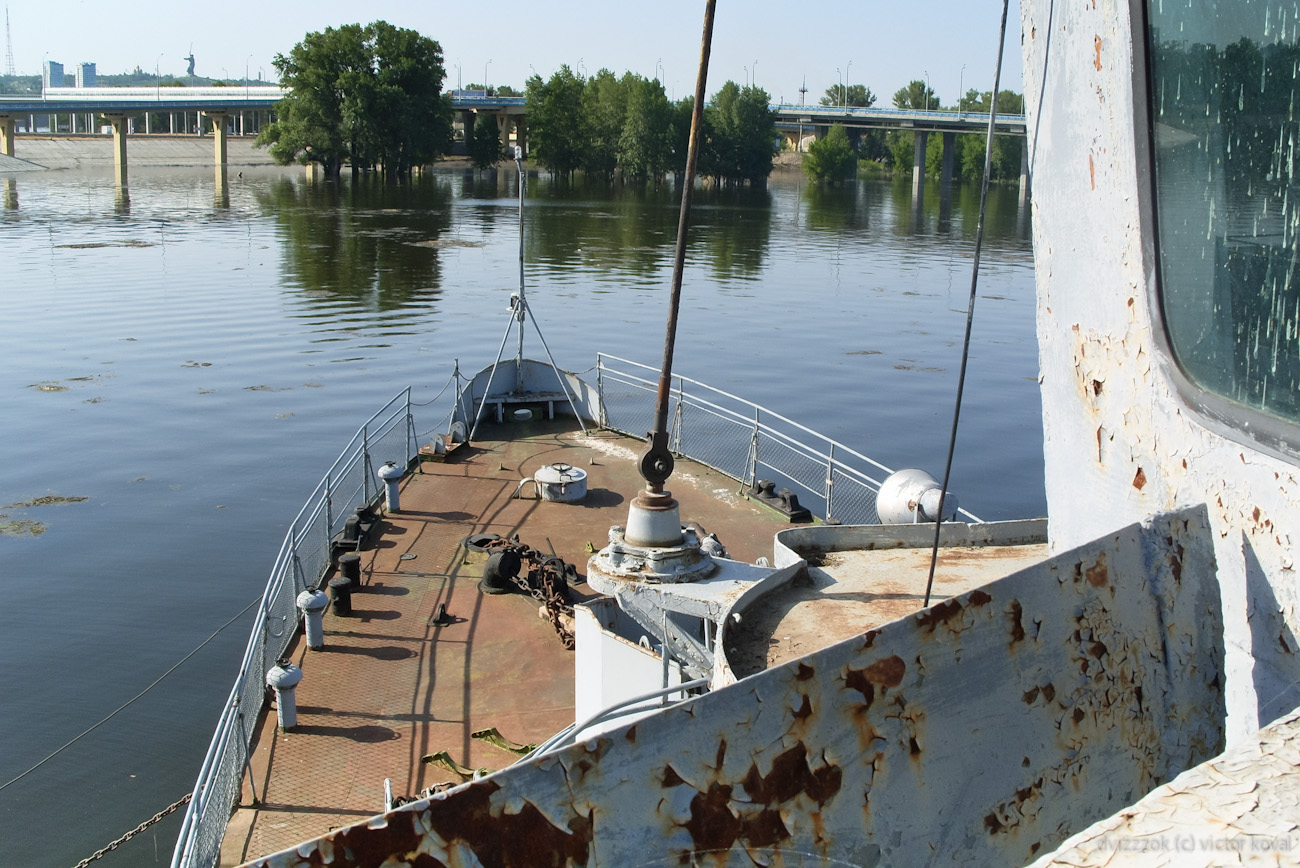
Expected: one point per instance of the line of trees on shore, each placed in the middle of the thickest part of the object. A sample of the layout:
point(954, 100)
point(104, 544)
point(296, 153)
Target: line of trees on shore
point(605, 125)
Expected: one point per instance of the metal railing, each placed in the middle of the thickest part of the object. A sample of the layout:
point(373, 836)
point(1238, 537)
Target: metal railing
point(745, 441)
point(304, 557)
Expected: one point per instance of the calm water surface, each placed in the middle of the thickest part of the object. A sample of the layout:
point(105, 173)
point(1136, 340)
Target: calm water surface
point(190, 363)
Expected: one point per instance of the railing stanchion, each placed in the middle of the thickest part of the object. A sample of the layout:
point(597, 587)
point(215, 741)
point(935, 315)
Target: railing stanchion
point(244, 741)
point(600, 391)
point(678, 416)
point(830, 484)
point(329, 507)
point(753, 453)
point(365, 464)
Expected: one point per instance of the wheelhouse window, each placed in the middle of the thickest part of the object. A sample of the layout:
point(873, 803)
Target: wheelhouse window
point(1224, 79)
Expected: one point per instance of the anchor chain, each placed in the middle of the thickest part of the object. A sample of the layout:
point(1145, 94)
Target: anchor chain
point(546, 580)
point(101, 853)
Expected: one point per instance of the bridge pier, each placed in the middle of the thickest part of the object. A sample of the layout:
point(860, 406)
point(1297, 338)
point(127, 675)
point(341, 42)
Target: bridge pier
point(1024, 172)
point(921, 139)
point(467, 121)
point(218, 136)
point(504, 123)
point(119, 124)
point(10, 194)
point(7, 135)
point(949, 149)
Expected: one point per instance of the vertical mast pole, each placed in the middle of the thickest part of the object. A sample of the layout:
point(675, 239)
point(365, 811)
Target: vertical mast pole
point(656, 463)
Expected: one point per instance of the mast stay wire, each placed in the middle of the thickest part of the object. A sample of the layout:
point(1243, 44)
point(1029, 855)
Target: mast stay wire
point(970, 305)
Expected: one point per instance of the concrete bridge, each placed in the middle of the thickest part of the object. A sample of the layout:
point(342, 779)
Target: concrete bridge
point(223, 111)
point(244, 110)
point(794, 120)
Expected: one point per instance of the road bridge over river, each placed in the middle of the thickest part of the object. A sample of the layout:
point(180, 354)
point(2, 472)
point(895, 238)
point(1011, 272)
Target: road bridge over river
point(243, 110)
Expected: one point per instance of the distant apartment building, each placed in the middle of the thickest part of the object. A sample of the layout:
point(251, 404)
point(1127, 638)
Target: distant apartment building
point(86, 75)
point(51, 75)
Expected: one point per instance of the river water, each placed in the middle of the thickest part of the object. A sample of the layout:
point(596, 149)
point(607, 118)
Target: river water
point(180, 366)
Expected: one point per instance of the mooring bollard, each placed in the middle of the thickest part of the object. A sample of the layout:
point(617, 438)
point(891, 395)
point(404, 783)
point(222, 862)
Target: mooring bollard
point(350, 566)
point(313, 605)
point(283, 678)
point(341, 590)
point(391, 475)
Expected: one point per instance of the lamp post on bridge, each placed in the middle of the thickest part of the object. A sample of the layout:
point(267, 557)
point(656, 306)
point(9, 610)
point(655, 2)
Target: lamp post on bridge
point(927, 89)
point(485, 76)
point(755, 72)
point(961, 93)
point(846, 86)
point(157, 77)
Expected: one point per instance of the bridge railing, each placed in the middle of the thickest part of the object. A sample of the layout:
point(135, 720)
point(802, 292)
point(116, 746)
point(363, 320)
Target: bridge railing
point(304, 558)
point(744, 441)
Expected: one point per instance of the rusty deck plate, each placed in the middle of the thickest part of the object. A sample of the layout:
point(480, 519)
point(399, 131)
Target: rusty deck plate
point(391, 685)
point(850, 592)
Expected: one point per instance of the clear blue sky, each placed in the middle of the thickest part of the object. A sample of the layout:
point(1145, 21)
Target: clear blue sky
point(886, 43)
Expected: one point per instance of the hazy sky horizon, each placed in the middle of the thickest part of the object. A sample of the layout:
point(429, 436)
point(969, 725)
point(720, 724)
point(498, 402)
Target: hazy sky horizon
point(779, 46)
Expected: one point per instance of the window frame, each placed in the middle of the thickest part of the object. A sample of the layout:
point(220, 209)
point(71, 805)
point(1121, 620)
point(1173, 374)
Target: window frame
point(1235, 421)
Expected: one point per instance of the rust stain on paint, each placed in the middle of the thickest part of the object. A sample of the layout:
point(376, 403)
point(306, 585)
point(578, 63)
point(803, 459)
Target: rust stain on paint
point(1092, 173)
point(1098, 575)
point(1096, 44)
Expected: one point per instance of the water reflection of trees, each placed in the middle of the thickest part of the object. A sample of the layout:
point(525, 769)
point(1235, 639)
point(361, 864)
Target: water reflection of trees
point(632, 230)
point(371, 242)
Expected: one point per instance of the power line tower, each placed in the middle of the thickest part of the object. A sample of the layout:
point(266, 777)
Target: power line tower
point(9, 47)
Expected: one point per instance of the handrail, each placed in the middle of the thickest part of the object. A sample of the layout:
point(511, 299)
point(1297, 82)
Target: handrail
point(574, 730)
point(757, 427)
point(316, 517)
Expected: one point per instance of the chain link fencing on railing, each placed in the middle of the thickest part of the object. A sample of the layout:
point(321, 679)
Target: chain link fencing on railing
point(304, 558)
point(745, 441)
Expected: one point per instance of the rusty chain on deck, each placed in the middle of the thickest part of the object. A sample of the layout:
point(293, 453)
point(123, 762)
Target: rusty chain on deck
point(546, 581)
point(101, 853)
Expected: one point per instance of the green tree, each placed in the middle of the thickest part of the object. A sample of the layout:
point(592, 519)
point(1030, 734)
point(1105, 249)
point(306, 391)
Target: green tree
point(831, 158)
point(370, 95)
point(858, 95)
point(555, 120)
point(679, 132)
point(604, 109)
point(741, 135)
point(916, 96)
point(645, 144)
point(1006, 149)
point(485, 149)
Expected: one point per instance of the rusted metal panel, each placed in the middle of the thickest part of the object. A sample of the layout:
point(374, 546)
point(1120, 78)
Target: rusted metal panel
point(1119, 442)
point(983, 730)
point(1242, 808)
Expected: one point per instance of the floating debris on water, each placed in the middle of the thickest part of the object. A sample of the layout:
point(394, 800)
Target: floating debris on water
point(90, 245)
point(48, 387)
point(445, 242)
point(20, 527)
point(863, 353)
point(267, 388)
point(190, 363)
point(46, 500)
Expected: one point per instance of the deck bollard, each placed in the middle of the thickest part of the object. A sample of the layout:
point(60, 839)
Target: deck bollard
point(313, 605)
point(391, 475)
point(341, 591)
point(283, 678)
point(350, 566)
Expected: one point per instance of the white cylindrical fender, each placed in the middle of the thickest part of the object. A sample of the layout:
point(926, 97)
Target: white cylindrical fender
point(313, 605)
point(283, 678)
